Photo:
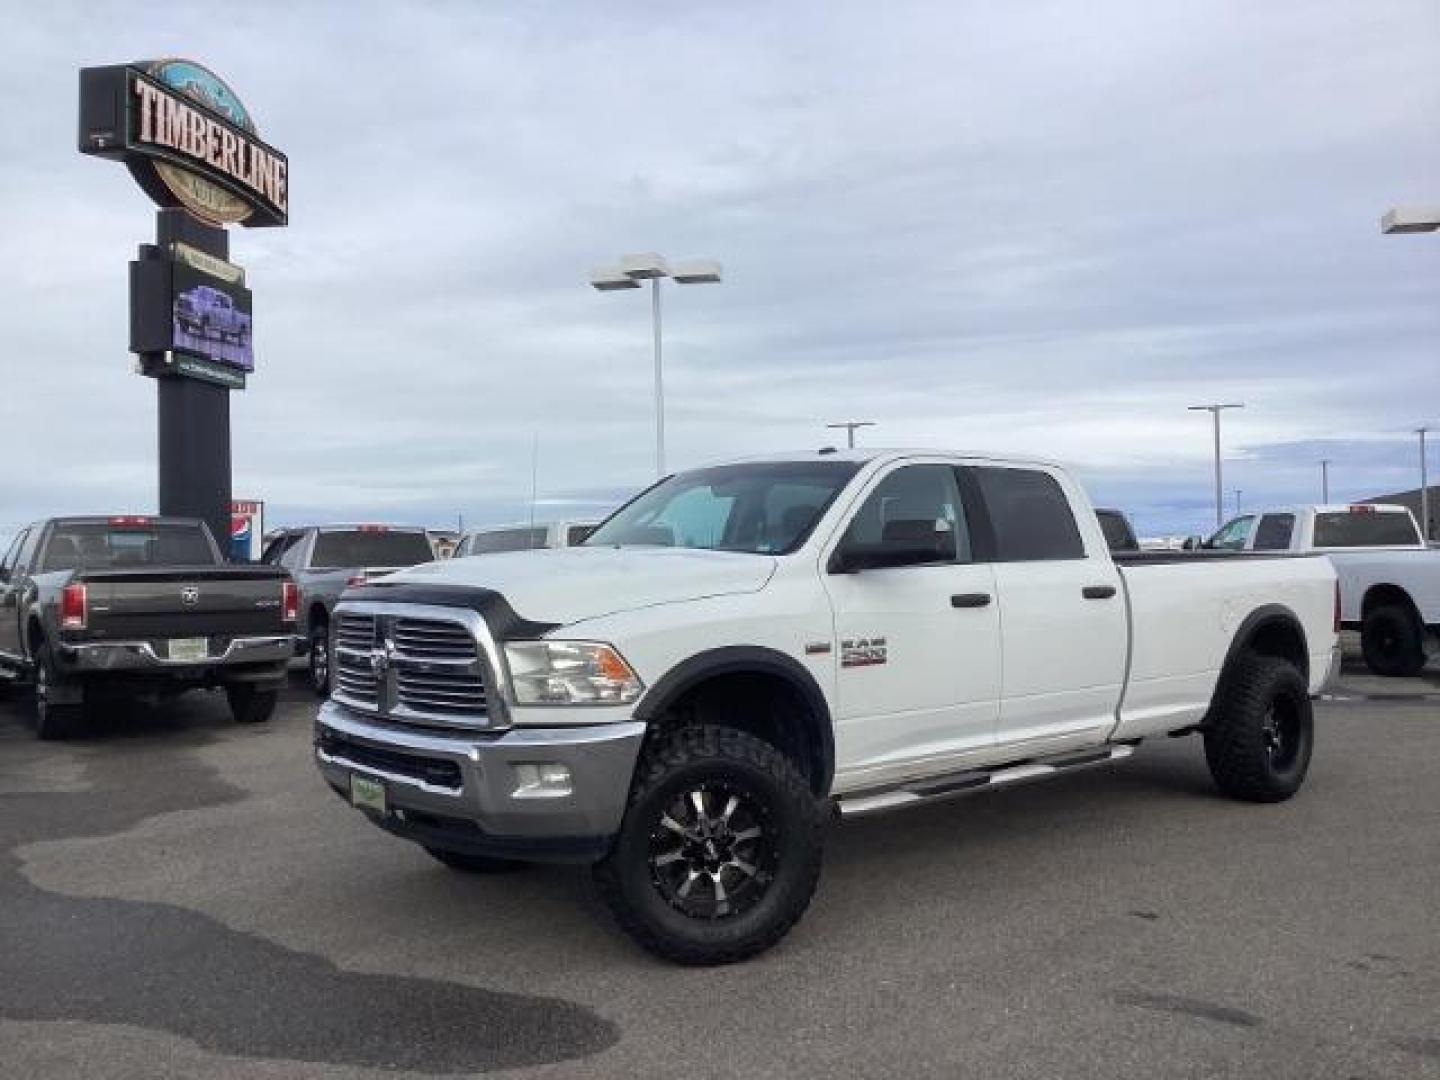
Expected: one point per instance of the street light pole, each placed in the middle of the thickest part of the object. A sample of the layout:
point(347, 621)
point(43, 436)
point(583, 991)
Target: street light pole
point(850, 426)
point(1215, 411)
point(1325, 480)
point(634, 269)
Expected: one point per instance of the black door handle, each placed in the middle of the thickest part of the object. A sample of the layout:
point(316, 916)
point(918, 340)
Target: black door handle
point(970, 599)
point(1098, 592)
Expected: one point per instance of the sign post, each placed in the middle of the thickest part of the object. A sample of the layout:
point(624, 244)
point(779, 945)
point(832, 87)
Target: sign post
point(192, 147)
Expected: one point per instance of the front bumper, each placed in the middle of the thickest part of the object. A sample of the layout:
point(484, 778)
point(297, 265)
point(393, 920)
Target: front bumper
point(461, 792)
point(149, 656)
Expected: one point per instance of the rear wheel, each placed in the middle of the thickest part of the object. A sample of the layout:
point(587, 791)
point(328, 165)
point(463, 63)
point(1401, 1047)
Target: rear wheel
point(250, 704)
point(54, 720)
point(720, 849)
point(1259, 740)
point(1392, 642)
point(320, 657)
point(473, 864)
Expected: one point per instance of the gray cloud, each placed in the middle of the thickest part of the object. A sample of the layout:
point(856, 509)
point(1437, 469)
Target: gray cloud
point(1040, 228)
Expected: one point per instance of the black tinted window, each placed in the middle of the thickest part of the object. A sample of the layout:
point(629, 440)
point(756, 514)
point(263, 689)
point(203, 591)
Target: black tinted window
point(488, 543)
point(1030, 516)
point(1364, 528)
point(100, 546)
point(1118, 535)
point(370, 547)
point(1274, 531)
point(916, 510)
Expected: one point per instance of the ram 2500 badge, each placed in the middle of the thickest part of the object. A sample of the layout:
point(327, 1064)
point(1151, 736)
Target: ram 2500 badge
point(684, 699)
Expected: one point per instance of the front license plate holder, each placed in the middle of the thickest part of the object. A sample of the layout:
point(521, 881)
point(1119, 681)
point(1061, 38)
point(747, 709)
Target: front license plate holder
point(369, 795)
point(189, 649)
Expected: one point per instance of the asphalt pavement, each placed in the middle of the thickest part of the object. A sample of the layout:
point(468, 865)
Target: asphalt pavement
point(182, 897)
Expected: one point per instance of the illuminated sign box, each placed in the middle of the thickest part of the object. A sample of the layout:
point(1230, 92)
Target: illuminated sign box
point(193, 304)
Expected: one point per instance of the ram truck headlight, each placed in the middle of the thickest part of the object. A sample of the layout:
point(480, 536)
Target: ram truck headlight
point(570, 673)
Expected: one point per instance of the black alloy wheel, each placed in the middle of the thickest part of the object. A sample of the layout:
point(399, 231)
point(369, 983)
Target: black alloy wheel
point(320, 658)
point(712, 852)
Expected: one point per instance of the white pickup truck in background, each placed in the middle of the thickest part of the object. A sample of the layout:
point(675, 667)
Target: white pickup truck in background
point(1389, 578)
point(683, 699)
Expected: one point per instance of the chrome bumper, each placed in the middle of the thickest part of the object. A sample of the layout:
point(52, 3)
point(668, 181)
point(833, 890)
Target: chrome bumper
point(98, 656)
point(462, 791)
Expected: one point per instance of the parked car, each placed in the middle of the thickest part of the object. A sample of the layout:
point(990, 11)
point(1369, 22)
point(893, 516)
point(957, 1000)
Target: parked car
point(1119, 535)
point(134, 605)
point(540, 534)
point(327, 559)
point(682, 699)
point(1389, 578)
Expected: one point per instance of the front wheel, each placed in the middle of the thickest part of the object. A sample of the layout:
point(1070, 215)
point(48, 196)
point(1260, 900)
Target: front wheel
point(249, 704)
point(1392, 642)
point(719, 851)
point(320, 658)
point(1259, 740)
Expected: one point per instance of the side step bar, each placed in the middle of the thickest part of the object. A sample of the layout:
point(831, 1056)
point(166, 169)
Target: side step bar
point(915, 792)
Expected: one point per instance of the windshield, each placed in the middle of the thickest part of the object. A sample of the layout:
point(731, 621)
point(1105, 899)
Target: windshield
point(370, 547)
point(764, 508)
point(96, 546)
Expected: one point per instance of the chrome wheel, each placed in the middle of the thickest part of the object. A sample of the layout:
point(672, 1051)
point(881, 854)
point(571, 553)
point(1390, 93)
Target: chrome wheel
point(320, 660)
point(712, 853)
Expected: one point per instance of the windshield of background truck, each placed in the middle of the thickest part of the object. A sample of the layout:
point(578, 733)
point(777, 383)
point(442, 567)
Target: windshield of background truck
point(101, 546)
point(337, 548)
point(764, 508)
point(1341, 529)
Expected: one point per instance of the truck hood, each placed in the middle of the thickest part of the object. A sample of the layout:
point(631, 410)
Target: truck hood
point(566, 585)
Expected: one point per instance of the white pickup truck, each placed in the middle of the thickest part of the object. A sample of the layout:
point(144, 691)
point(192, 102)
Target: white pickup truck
point(683, 699)
point(1389, 578)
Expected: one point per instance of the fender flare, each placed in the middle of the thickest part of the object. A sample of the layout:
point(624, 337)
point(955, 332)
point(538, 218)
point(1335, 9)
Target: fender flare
point(743, 659)
point(1263, 616)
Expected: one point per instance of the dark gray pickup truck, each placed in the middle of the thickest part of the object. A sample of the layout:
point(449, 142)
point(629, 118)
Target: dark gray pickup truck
point(139, 605)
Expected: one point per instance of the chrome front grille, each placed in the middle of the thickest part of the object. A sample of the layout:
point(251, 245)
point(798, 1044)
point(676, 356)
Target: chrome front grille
point(425, 671)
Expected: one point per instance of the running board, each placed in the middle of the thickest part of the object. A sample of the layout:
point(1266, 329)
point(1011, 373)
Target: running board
point(943, 787)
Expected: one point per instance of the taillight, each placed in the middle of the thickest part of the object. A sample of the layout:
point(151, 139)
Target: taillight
point(1337, 607)
point(74, 606)
point(289, 602)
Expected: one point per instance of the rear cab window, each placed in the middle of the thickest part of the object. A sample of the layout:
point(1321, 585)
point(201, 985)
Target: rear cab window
point(118, 544)
point(1029, 514)
point(498, 540)
point(369, 546)
point(1364, 527)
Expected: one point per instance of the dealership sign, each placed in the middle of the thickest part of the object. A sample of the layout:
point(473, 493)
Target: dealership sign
point(187, 138)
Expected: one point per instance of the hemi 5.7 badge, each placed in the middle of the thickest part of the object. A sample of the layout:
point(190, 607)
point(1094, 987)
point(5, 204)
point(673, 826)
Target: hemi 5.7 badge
point(862, 652)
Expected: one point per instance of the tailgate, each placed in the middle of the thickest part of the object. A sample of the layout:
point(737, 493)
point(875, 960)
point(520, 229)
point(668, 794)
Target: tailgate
point(183, 602)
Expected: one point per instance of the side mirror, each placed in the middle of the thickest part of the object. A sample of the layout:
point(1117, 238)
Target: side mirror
point(1192, 543)
point(4, 574)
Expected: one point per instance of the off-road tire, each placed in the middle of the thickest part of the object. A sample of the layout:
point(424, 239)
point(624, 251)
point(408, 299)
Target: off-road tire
point(1392, 642)
point(320, 668)
point(53, 722)
point(672, 768)
point(473, 864)
point(249, 704)
point(1260, 736)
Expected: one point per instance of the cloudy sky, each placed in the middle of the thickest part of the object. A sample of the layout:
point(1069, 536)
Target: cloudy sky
point(1042, 228)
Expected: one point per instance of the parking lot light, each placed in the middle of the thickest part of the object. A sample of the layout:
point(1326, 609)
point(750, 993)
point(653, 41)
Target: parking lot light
point(1215, 411)
point(1410, 219)
point(652, 267)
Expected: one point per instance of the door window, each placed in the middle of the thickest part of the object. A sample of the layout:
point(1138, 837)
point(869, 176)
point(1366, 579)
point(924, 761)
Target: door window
point(913, 517)
point(1030, 515)
point(1233, 534)
point(1274, 532)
